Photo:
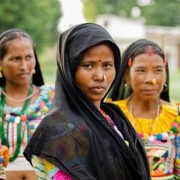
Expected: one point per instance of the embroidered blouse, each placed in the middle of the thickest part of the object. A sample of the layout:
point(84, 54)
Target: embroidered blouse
point(163, 144)
point(29, 121)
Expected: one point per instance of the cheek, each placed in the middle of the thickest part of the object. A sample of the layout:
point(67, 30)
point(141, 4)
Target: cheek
point(161, 81)
point(110, 77)
point(134, 79)
point(81, 80)
point(9, 67)
point(32, 64)
point(135, 82)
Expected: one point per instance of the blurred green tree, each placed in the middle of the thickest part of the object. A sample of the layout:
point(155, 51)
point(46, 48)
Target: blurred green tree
point(38, 18)
point(97, 7)
point(156, 12)
point(162, 12)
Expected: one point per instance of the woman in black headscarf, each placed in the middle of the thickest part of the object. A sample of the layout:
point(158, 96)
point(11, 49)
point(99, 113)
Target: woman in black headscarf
point(82, 137)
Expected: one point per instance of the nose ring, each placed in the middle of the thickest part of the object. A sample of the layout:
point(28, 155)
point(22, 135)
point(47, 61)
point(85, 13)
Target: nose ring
point(154, 81)
point(104, 78)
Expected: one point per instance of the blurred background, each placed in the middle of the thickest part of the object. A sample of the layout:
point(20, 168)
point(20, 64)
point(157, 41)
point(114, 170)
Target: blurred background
point(126, 21)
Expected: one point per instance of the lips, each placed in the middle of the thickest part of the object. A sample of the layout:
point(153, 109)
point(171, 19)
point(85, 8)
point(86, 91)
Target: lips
point(97, 89)
point(23, 75)
point(149, 91)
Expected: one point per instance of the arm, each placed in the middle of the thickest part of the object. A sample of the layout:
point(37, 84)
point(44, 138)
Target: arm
point(45, 169)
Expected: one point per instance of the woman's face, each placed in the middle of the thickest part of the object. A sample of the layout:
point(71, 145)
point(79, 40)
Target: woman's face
point(19, 62)
point(140, 75)
point(96, 72)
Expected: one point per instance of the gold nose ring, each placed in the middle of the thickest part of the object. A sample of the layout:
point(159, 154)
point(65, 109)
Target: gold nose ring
point(104, 77)
point(154, 81)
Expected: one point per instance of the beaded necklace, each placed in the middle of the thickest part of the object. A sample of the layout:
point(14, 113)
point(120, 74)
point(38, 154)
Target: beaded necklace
point(19, 126)
point(17, 100)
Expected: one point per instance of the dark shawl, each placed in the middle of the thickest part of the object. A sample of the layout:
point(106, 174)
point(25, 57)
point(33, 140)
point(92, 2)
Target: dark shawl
point(120, 91)
point(74, 136)
point(37, 78)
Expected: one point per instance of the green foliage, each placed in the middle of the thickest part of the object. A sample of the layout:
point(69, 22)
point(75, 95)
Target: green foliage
point(162, 12)
point(97, 7)
point(90, 10)
point(38, 17)
point(159, 12)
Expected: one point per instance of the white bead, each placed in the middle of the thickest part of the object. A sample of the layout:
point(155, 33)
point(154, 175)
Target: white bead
point(151, 138)
point(17, 119)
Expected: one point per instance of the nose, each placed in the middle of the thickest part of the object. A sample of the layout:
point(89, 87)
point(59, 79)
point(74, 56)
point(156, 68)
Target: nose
point(149, 77)
point(99, 75)
point(22, 64)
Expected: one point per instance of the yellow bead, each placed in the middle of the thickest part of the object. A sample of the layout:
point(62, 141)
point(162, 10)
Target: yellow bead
point(45, 109)
point(146, 136)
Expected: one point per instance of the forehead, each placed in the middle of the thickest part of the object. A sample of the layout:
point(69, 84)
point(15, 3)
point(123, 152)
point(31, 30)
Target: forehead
point(146, 59)
point(19, 43)
point(100, 49)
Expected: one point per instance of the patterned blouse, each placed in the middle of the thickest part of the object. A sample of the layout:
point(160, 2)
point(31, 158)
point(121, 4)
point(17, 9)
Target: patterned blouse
point(22, 126)
point(162, 144)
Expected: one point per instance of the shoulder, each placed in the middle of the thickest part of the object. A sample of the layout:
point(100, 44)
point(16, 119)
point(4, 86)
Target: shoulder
point(46, 88)
point(169, 108)
point(46, 93)
point(121, 103)
point(168, 113)
point(114, 108)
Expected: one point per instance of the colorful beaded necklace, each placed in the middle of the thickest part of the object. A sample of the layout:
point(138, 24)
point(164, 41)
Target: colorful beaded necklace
point(19, 136)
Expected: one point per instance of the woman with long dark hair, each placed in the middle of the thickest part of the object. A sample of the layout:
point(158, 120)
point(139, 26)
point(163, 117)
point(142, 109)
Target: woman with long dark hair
point(142, 92)
point(24, 99)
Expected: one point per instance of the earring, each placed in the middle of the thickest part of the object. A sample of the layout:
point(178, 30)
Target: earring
point(1, 72)
point(126, 86)
point(165, 87)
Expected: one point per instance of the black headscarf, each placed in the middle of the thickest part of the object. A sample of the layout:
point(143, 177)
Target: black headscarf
point(120, 91)
point(74, 136)
point(10, 34)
